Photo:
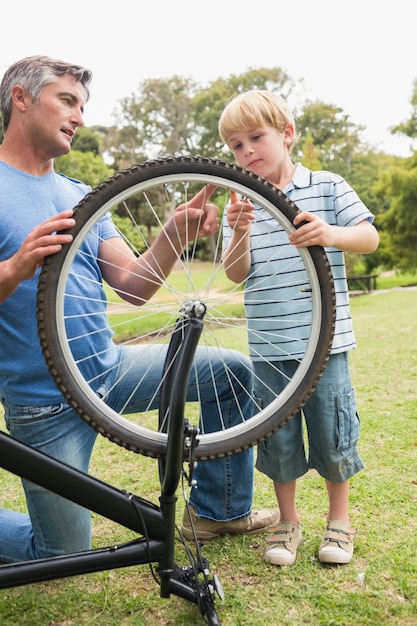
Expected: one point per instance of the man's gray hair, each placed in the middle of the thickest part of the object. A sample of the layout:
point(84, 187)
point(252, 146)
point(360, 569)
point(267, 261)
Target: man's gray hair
point(33, 74)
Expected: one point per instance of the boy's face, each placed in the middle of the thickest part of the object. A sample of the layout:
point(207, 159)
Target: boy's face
point(263, 150)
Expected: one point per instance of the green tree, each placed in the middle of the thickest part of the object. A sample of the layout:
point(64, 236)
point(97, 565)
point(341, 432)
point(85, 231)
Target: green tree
point(310, 153)
point(155, 121)
point(335, 138)
point(409, 127)
point(86, 139)
point(88, 167)
point(85, 161)
point(176, 116)
point(399, 221)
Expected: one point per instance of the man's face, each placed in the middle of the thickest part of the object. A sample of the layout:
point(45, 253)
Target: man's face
point(52, 120)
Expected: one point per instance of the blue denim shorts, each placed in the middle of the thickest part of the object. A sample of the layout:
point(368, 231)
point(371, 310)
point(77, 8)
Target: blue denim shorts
point(331, 422)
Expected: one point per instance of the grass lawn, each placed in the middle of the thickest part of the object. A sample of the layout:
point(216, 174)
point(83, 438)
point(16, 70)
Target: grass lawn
point(379, 586)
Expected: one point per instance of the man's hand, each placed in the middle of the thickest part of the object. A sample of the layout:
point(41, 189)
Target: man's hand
point(42, 241)
point(195, 218)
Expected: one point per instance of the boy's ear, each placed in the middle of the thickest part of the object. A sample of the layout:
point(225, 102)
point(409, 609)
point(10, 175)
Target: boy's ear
point(289, 133)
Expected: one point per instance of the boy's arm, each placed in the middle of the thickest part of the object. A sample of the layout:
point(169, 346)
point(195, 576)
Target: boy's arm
point(362, 238)
point(236, 258)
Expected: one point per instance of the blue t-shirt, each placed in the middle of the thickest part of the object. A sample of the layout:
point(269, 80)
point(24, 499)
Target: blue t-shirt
point(25, 202)
point(275, 322)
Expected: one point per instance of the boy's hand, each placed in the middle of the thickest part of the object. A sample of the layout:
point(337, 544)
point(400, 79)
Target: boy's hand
point(314, 232)
point(362, 238)
point(240, 213)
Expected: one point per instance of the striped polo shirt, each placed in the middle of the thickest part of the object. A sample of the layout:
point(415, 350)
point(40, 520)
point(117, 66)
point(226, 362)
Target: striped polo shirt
point(279, 324)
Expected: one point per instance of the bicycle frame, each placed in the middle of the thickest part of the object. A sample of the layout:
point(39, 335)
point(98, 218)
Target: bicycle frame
point(155, 523)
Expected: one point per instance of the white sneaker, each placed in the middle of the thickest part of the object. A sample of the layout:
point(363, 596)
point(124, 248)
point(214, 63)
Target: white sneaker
point(337, 545)
point(284, 540)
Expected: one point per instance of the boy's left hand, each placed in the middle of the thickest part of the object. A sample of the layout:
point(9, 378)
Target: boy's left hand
point(314, 231)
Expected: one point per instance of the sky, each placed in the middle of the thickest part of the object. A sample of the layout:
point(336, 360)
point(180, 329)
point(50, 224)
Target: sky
point(355, 54)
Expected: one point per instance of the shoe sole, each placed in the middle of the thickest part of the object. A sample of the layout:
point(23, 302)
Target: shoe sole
point(333, 559)
point(276, 561)
point(188, 534)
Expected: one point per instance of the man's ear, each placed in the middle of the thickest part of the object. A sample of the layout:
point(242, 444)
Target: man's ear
point(20, 97)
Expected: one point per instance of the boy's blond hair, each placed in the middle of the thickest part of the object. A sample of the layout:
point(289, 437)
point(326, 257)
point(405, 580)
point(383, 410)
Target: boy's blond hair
point(256, 109)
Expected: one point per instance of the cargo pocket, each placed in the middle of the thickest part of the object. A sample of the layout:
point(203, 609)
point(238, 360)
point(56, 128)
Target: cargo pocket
point(347, 421)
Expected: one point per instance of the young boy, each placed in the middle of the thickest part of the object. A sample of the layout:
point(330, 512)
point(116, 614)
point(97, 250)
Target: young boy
point(259, 129)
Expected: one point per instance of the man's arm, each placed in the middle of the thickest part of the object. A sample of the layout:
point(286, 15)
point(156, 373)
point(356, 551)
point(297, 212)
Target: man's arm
point(136, 279)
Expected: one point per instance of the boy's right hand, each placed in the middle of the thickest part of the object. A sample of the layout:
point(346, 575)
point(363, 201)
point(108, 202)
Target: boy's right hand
point(240, 213)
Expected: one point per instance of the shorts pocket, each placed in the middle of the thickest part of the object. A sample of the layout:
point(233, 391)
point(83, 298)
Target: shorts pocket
point(347, 421)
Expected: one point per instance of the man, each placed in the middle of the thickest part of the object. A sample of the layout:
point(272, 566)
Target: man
point(42, 102)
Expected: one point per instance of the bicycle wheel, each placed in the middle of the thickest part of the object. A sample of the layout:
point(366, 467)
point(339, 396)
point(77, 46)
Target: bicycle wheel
point(139, 199)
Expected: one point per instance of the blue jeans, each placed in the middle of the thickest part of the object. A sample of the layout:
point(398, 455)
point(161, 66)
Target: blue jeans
point(54, 525)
